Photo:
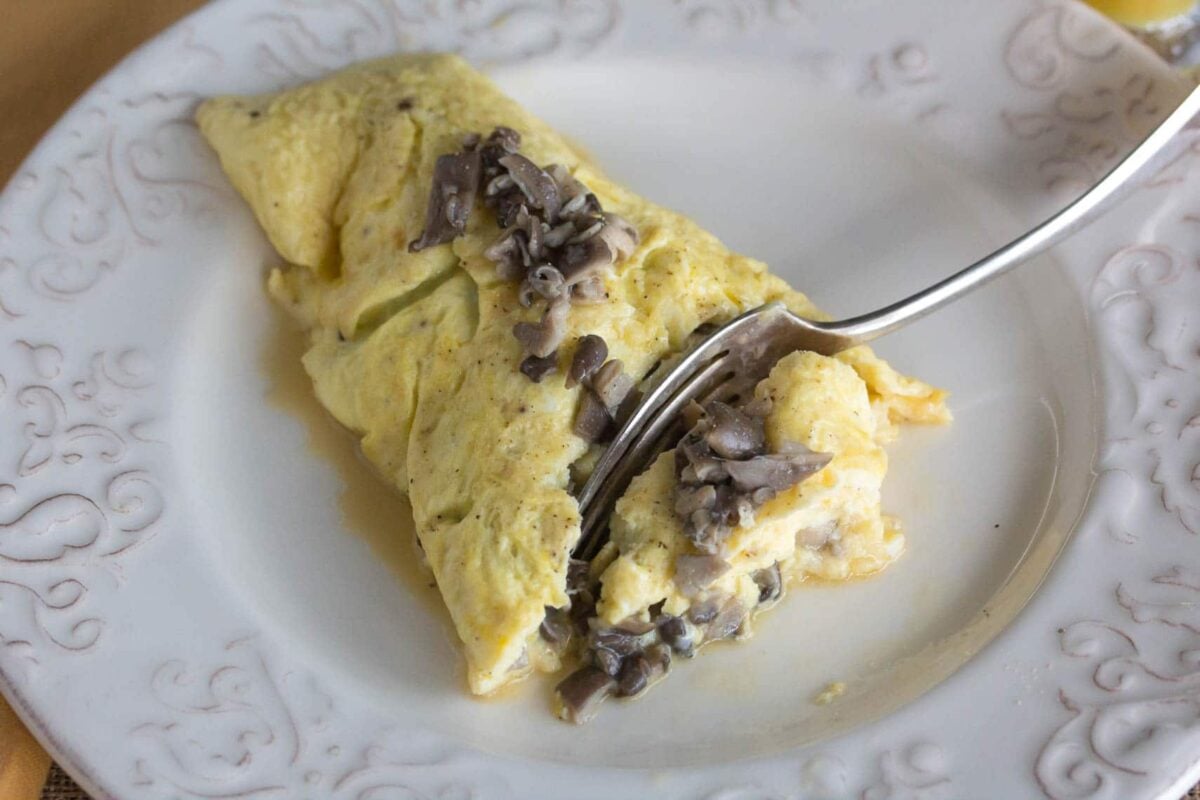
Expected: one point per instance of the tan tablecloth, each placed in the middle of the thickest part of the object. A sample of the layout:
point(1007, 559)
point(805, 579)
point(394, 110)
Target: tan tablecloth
point(50, 52)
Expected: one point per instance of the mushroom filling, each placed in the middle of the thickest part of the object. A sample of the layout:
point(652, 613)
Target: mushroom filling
point(724, 473)
point(557, 240)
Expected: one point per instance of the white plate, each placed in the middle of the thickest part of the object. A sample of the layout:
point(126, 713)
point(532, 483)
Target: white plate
point(199, 591)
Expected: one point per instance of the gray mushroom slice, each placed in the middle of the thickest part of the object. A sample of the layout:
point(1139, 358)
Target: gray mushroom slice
point(581, 693)
point(704, 612)
point(508, 207)
point(691, 499)
point(537, 369)
point(539, 188)
point(590, 355)
point(456, 178)
point(727, 623)
point(694, 574)
point(543, 338)
point(584, 260)
point(505, 253)
point(607, 660)
point(612, 384)
point(621, 642)
point(498, 184)
point(732, 434)
point(634, 676)
point(775, 471)
point(593, 423)
point(586, 230)
point(619, 235)
point(558, 235)
point(543, 281)
point(770, 583)
point(556, 627)
point(677, 635)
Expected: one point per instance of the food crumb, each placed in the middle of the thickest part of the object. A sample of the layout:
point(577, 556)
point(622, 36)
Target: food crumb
point(831, 692)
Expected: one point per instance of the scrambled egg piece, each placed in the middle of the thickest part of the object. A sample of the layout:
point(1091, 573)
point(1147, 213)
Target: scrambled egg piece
point(414, 352)
point(816, 401)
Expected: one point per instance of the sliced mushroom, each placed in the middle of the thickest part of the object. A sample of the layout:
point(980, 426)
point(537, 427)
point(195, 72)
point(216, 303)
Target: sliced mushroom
point(536, 368)
point(770, 583)
point(581, 693)
point(694, 574)
point(584, 260)
point(545, 281)
point(775, 471)
point(543, 337)
point(677, 635)
point(619, 235)
point(728, 621)
point(611, 384)
point(634, 676)
point(703, 613)
point(556, 627)
point(456, 178)
point(590, 355)
point(593, 423)
point(538, 187)
point(732, 434)
point(607, 660)
point(506, 254)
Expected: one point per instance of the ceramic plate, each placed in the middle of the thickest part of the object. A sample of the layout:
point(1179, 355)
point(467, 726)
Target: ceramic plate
point(203, 594)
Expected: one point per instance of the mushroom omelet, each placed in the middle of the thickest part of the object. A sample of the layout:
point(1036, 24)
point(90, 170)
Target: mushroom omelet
point(410, 301)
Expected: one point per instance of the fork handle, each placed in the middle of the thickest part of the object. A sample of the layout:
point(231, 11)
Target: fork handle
point(1113, 187)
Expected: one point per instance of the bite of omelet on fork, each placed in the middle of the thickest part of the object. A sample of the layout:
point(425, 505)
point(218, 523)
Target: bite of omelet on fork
point(484, 307)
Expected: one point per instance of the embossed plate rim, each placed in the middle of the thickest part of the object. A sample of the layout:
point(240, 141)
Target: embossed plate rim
point(99, 192)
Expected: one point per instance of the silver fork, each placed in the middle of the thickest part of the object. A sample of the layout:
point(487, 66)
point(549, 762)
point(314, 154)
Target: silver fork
point(742, 352)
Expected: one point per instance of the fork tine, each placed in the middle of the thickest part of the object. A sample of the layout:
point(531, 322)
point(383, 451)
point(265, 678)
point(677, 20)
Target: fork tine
point(651, 441)
point(654, 415)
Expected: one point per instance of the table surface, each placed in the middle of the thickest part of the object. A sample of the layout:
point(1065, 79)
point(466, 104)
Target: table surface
point(50, 52)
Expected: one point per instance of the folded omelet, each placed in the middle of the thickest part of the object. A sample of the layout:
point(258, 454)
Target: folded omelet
point(415, 353)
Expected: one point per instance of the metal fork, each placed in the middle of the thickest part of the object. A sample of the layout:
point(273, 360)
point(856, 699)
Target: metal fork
point(742, 352)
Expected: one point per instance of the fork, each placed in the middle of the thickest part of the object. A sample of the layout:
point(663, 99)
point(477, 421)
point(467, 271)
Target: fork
point(742, 352)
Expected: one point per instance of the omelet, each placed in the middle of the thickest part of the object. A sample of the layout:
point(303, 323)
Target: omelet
point(412, 348)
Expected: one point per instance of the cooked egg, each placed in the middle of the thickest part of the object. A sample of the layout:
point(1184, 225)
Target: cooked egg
point(414, 352)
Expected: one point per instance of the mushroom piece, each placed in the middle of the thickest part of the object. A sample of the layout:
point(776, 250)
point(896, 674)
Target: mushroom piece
point(732, 434)
point(590, 354)
point(543, 337)
point(677, 635)
point(634, 676)
point(538, 187)
point(456, 178)
point(536, 368)
point(727, 623)
point(775, 471)
point(585, 259)
point(556, 627)
point(593, 423)
point(619, 235)
point(770, 583)
point(544, 281)
point(611, 384)
point(507, 254)
point(581, 693)
point(694, 574)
